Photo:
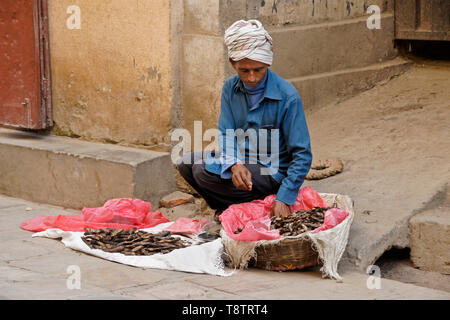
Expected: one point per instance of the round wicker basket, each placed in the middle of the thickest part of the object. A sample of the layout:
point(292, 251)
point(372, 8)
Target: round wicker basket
point(294, 252)
point(287, 254)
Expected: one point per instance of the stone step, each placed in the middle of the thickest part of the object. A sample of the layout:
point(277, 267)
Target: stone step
point(75, 174)
point(429, 235)
point(321, 89)
point(331, 46)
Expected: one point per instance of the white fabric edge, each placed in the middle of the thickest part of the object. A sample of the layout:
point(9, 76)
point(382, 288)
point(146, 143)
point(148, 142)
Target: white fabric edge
point(202, 258)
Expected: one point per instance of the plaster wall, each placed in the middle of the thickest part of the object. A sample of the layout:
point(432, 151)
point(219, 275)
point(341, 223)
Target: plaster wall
point(112, 79)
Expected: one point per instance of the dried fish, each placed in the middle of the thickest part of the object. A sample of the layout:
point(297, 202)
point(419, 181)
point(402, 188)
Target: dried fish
point(299, 222)
point(131, 241)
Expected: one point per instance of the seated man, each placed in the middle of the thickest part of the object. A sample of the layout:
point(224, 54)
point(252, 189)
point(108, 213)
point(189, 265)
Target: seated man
point(254, 100)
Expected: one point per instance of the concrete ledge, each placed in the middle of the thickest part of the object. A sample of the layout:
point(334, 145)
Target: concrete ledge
point(321, 89)
point(76, 174)
point(429, 234)
point(326, 47)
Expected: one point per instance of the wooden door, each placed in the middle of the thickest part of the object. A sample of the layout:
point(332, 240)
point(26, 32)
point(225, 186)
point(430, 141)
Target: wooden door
point(25, 99)
point(422, 20)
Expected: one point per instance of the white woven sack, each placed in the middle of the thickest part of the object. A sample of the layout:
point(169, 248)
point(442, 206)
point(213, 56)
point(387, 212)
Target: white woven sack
point(330, 244)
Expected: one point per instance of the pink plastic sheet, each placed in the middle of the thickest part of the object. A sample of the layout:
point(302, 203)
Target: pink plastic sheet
point(121, 213)
point(187, 225)
point(332, 218)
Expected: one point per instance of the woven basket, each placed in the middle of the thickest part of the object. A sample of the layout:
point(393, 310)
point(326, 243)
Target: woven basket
point(292, 253)
point(287, 254)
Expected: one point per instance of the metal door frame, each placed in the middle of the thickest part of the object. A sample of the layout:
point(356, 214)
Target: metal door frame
point(43, 43)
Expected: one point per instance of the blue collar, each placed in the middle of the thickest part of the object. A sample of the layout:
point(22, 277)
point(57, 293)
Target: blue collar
point(259, 88)
point(271, 90)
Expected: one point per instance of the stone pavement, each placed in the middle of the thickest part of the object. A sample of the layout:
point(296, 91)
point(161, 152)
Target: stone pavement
point(40, 268)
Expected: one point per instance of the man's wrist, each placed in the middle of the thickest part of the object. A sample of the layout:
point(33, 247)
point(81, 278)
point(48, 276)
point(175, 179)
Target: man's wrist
point(235, 165)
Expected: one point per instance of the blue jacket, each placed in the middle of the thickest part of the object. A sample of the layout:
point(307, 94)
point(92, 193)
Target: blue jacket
point(279, 108)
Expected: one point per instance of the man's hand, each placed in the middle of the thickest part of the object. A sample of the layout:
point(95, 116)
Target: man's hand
point(280, 209)
point(242, 177)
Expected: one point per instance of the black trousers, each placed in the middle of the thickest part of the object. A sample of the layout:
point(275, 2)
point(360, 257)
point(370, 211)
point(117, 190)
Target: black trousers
point(220, 193)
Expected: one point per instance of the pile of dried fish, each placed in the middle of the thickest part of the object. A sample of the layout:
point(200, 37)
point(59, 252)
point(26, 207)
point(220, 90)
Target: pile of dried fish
point(299, 222)
point(132, 242)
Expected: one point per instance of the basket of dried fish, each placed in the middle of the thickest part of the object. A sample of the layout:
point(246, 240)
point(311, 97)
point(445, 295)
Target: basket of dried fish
point(292, 252)
point(308, 238)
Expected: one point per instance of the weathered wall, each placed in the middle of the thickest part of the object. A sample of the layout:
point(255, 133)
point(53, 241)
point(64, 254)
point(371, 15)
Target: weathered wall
point(203, 64)
point(278, 16)
point(275, 13)
point(134, 72)
point(113, 78)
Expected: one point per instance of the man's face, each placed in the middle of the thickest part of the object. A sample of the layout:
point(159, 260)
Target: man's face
point(251, 72)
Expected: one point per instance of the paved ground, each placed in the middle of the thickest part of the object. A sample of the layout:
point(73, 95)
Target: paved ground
point(39, 268)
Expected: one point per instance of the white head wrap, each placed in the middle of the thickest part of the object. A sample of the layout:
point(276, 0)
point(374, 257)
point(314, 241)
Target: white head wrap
point(249, 39)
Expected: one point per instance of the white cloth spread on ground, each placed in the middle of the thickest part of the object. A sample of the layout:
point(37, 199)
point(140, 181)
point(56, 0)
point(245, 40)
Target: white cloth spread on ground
point(249, 39)
point(201, 258)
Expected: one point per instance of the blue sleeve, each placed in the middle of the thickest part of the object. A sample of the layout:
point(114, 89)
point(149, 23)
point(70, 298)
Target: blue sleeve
point(295, 131)
point(227, 140)
point(226, 171)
